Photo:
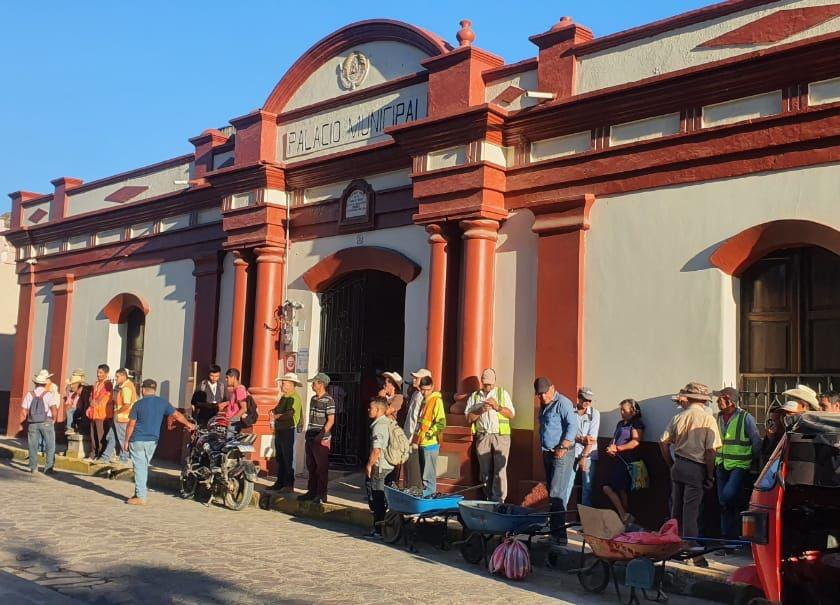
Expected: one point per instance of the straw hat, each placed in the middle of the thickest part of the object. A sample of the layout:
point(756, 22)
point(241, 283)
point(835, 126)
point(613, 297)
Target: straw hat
point(805, 394)
point(422, 373)
point(394, 376)
point(76, 377)
point(42, 377)
point(291, 377)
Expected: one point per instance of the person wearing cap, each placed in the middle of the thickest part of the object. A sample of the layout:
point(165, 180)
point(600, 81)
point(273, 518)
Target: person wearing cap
point(318, 439)
point(489, 412)
point(800, 400)
point(413, 476)
point(286, 416)
point(586, 445)
point(143, 432)
point(75, 401)
point(830, 402)
point(741, 448)
point(207, 397)
point(430, 426)
point(558, 427)
point(39, 409)
point(694, 436)
point(125, 396)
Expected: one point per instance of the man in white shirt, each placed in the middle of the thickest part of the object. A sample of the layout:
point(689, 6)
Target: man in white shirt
point(489, 411)
point(586, 445)
point(413, 476)
point(39, 409)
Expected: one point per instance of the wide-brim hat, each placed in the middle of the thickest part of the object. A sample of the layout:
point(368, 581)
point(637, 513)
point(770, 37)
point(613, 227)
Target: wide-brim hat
point(394, 377)
point(805, 394)
point(694, 391)
point(790, 406)
point(291, 377)
point(76, 377)
point(421, 373)
point(42, 377)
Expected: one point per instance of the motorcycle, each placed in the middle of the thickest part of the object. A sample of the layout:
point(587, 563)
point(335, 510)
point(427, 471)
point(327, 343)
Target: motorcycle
point(217, 466)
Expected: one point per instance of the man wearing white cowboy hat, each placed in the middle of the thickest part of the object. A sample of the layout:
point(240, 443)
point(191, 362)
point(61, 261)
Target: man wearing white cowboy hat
point(73, 400)
point(286, 416)
point(39, 409)
point(801, 399)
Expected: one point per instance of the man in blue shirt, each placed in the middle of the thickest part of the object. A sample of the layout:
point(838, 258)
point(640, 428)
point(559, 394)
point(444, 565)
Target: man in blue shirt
point(143, 432)
point(558, 427)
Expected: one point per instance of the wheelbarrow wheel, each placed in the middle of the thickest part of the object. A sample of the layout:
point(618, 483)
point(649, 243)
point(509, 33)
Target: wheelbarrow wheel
point(595, 576)
point(472, 548)
point(392, 527)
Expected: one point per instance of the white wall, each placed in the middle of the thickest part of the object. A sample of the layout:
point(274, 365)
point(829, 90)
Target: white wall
point(388, 60)
point(8, 319)
point(526, 80)
point(677, 49)
point(169, 290)
point(41, 328)
point(657, 313)
point(225, 313)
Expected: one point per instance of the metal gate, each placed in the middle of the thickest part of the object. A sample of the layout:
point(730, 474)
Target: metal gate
point(341, 355)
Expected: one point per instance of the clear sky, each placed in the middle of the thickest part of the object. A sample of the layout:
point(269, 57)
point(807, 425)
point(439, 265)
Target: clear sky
point(93, 88)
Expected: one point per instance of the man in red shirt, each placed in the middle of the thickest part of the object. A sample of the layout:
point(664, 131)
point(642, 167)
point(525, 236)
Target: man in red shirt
point(235, 407)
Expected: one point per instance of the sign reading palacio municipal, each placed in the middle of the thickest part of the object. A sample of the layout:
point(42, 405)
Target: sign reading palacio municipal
point(354, 125)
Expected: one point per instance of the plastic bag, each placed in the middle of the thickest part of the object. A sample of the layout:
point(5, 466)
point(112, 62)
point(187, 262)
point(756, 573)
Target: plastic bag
point(668, 534)
point(511, 558)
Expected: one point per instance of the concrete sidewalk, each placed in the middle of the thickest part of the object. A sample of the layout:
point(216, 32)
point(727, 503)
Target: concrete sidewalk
point(347, 505)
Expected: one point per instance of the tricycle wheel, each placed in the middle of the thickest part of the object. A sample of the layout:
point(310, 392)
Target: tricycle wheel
point(392, 527)
point(595, 576)
point(472, 548)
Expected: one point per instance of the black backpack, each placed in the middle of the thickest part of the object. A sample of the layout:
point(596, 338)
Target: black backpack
point(251, 413)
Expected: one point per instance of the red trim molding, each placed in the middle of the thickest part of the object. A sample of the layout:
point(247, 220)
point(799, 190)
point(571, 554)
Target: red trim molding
point(341, 40)
point(361, 258)
point(118, 307)
point(735, 255)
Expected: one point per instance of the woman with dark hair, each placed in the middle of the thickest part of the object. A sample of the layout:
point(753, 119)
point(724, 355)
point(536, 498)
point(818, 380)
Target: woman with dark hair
point(624, 446)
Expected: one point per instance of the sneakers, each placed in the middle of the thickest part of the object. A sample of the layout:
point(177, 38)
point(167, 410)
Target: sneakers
point(49, 471)
point(275, 488)
point(135, 501)
point(319, 500)
point(374, 535)
point(698, 562)
point(306, 497)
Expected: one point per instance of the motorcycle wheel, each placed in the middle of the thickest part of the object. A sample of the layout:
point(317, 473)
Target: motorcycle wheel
point(189, 484)
point(239, 497)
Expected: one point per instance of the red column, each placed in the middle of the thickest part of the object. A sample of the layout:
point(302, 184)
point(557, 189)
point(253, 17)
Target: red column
point(206, 314)
point(265, 354)
point(437, 303)
point(561, 227)
point(476, 314)
point(62, 290)
point(21, 367)
point(240, 298)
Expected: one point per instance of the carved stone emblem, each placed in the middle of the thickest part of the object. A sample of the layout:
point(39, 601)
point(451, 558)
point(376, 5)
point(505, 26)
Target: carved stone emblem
point(354, 70)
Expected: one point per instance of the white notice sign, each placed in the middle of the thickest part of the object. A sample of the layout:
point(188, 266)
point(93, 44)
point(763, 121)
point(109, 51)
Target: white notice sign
point(302, 361)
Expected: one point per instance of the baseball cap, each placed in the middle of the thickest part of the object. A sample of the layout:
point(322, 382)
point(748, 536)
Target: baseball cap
point(320, 377)
point(586, 393)
point(488, 376)
point(421, 373)
point(730, 392)
point(541, 385)
point(149, 384)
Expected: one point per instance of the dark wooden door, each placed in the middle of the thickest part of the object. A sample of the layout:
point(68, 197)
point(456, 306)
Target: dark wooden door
point(134, 338)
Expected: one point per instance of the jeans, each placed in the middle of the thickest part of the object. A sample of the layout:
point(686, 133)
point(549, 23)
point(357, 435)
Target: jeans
point(284, 447)
point(376, 499)
point(428, 468)
point(69, 422)
point(115, 433)
point(586, 478)
point(141, 457)
point(730, 488)
point(687, 495)
point(558, 477)
point(493, 451)
point(38, 431)
point(318, 466)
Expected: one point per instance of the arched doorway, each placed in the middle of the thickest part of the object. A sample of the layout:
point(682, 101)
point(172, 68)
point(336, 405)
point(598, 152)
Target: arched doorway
point(134, 336)
point(362, 333)
point(790, 324)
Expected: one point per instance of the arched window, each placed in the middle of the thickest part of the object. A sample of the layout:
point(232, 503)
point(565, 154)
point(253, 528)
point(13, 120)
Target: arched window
point(790, 323)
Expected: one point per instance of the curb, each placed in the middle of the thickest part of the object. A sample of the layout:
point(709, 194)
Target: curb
point(698, 583)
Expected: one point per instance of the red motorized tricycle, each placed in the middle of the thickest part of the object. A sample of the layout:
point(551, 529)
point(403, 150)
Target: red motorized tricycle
point(793, 520)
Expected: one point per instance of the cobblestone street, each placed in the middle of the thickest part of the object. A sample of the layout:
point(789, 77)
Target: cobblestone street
point(73, 534)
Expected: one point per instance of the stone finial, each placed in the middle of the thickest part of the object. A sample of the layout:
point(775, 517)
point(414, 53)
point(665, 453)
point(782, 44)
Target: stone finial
point(563, 22)
point(465, 35)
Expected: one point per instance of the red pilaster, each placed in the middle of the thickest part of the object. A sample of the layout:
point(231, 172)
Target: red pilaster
point(455, 81)
point(58, 208)
point(204, 145)
point(265, 354)
point(557, 65)
point(256, 138)
point(205, 321)
point(437, 303)
point(476, 314)
point(62, 312)
point(561, 226)
point(21, 366)
point(18, 198)
point(240, 298)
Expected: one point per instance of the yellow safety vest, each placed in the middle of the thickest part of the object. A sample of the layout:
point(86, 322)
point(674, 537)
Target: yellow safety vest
point(504, 421)
point(736, 451)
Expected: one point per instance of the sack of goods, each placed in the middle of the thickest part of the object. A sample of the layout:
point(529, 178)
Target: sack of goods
point(511, 558)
